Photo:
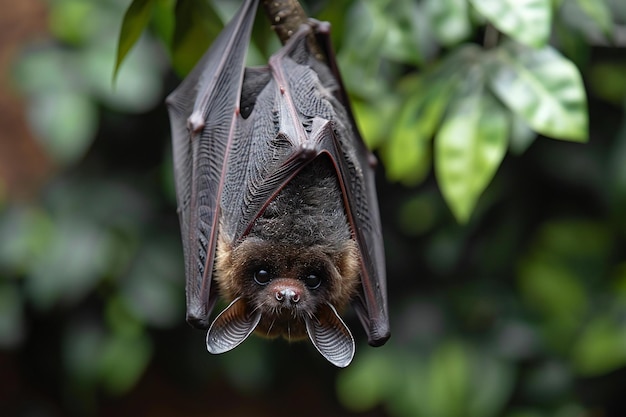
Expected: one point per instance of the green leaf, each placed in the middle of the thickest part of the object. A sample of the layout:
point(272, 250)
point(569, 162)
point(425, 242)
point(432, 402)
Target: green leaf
point(572, 43)
point(123, 360)
point(450, 20)
point(366, 383)
point(543, 88)
point(618, 9)
point(197, 25)
point(599, 13)
point(135, 20)
point(409, 388)
point(601, 347)
point(522, 136)
point(67, 20)
point(25, 234)
point(373, 118)
point(407, 154)
point(75, 261)
point(418, 215)
point(365, 40)
point(449, 379)
point(163, 20)
point(138, 87)
point(149, 290)
point(378, 31)
point(402, 26)
point(607, 81)
point(527, 21)
point(470, 145)
point(497, 381)
point(557, 293)
point(65, 123)
point(48, 71)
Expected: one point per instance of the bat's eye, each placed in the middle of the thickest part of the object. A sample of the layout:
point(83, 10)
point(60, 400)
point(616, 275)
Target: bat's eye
point(312, 281)
point(262, 277)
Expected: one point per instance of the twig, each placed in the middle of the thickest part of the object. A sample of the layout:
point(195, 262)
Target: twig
point(286, 16)
point(491, 37)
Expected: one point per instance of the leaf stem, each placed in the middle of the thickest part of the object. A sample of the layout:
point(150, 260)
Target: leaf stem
point(491, 38)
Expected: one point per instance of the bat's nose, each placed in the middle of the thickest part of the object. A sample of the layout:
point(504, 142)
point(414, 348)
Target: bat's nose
point(288, 294)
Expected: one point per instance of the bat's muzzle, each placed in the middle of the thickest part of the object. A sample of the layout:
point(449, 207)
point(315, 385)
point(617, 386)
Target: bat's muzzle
point(288, 295)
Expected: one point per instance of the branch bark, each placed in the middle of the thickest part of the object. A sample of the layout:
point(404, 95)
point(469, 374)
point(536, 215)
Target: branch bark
point(286, 17)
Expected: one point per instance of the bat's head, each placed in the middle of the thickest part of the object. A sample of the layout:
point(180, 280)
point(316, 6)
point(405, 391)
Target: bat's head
point(286, 290)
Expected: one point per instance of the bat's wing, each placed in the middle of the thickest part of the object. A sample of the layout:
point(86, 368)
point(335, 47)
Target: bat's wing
point(371, 305)
point(203, 112)
point(300, 112)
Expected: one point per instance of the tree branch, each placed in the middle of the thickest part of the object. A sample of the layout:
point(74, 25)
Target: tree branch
point(286, 16)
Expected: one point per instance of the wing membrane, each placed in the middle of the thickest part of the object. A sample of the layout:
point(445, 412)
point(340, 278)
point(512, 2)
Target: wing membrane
point(202, 113)
point(302, 113)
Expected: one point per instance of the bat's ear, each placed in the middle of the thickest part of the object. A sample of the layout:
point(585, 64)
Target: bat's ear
point(330, 336)
point(231, 327)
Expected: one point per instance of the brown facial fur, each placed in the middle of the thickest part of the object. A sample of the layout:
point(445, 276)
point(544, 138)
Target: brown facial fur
point(288, 264)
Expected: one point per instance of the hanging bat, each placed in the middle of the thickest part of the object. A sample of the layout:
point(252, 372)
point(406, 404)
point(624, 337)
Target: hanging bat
point(276, 196)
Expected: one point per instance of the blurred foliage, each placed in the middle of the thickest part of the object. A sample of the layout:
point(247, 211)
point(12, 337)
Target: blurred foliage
point(518, 312)
point(520, 79)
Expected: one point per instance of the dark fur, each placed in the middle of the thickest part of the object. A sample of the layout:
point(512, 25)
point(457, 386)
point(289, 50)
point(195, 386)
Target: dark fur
point(304, 230)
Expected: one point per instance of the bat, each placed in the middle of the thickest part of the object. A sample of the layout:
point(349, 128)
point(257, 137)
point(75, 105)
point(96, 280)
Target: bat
point(276, 196)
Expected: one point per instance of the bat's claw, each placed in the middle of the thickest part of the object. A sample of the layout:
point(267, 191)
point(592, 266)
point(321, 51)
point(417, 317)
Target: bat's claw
point(195, 123)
